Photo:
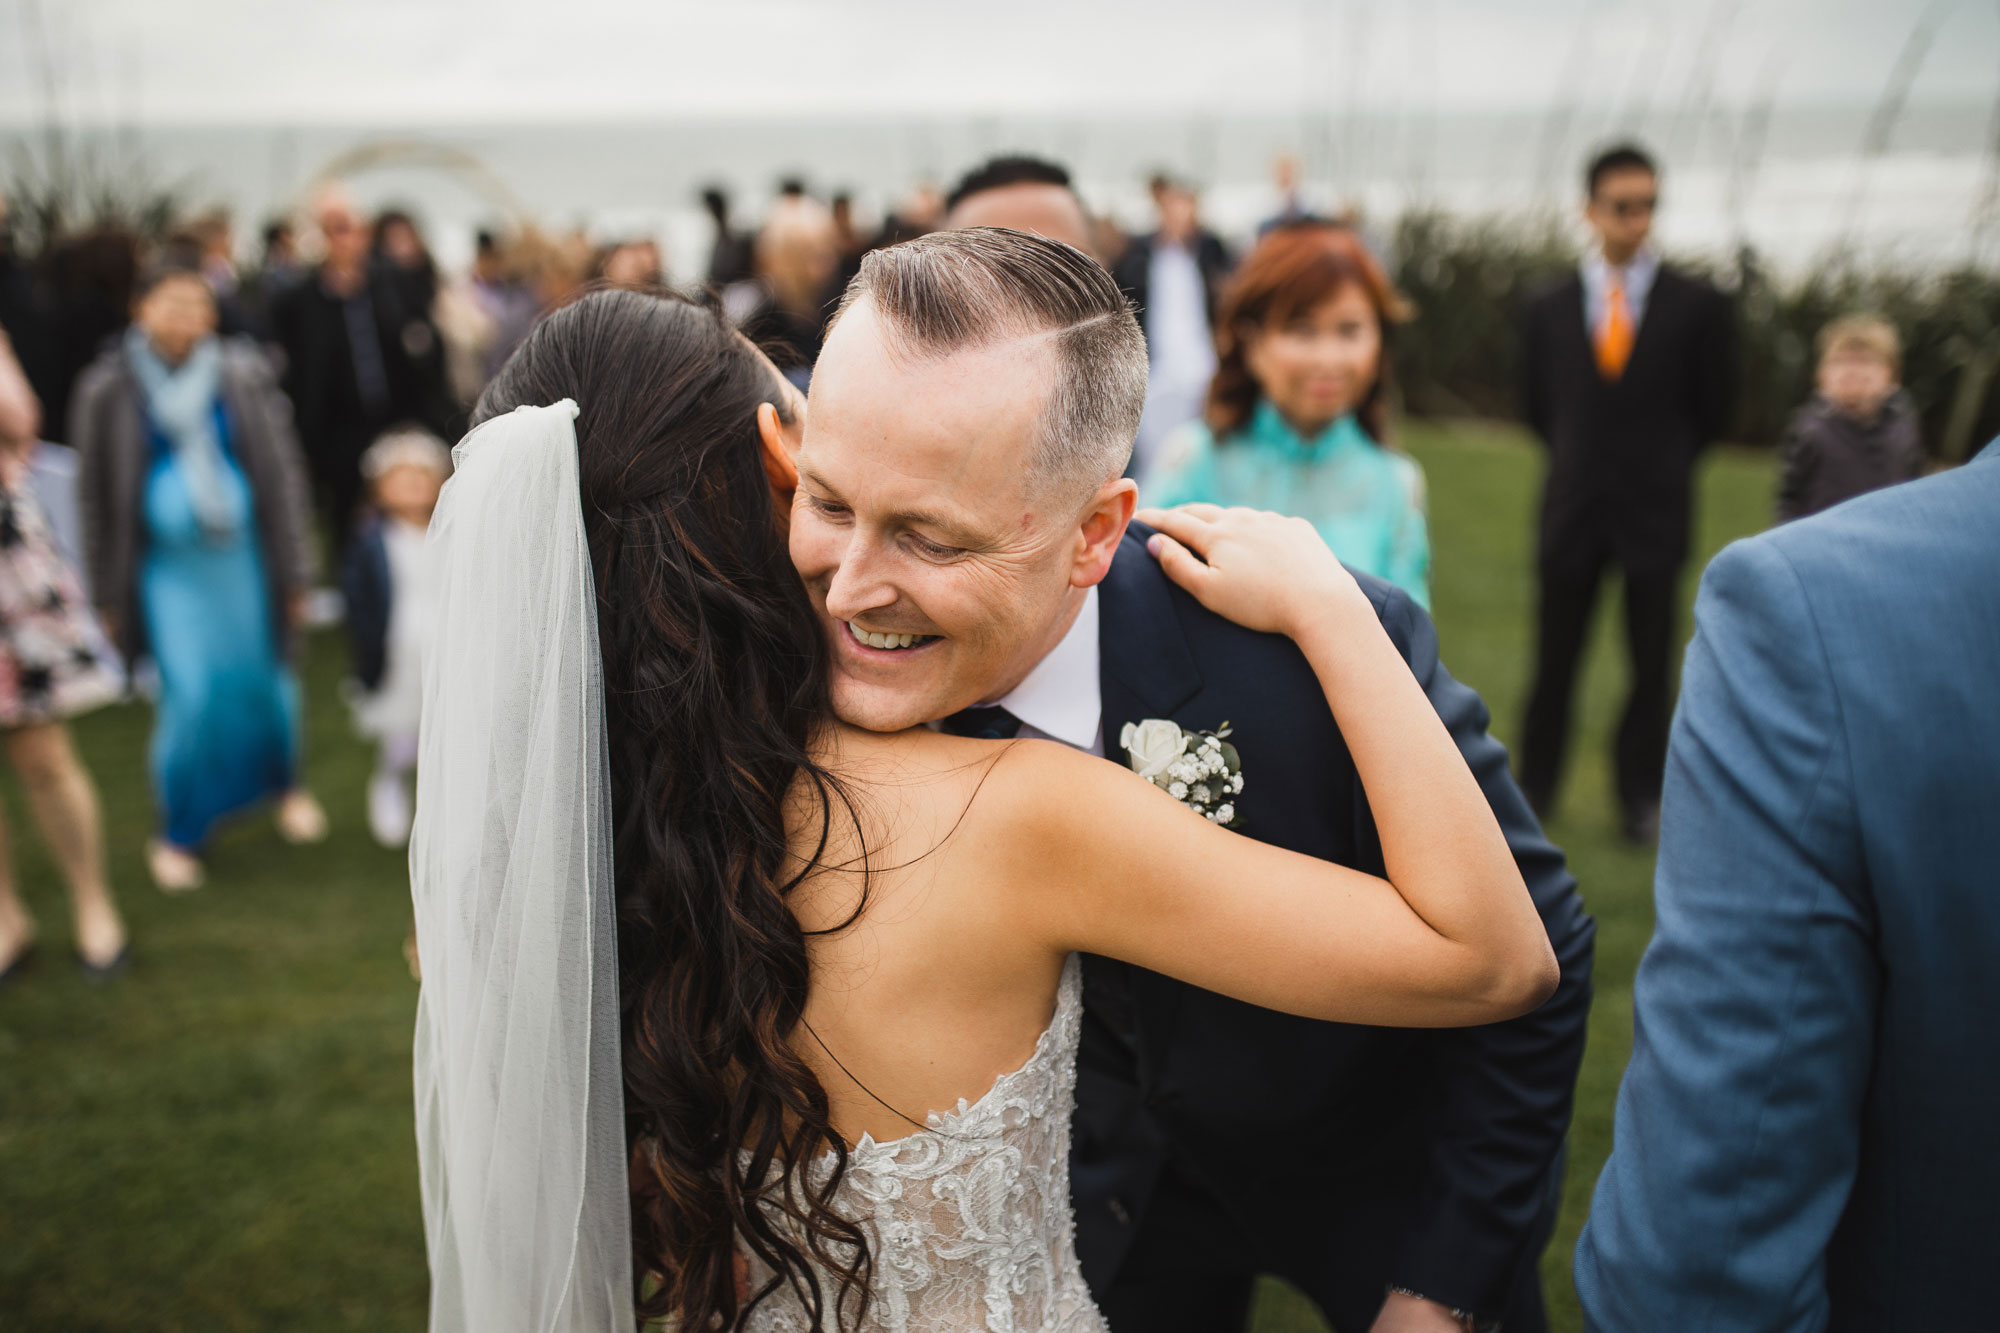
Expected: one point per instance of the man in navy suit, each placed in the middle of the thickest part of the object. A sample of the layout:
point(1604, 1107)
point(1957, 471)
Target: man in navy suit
point(1804, 1135)
point(1404, 1180)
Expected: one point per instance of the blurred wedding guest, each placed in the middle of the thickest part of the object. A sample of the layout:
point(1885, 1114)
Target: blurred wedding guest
point(917, 213)
point(1027, 194)
point(212, 240)
point(281, 251)
point(22, 311)
point(1859, 431)
point(631, 264)
point(197, 539)
point(1291, 201)
point(785, 309)
point(729, 255)
point(543, 272)
point(49, 673)
point(1172, 277)
point(1108, 240)
point(277, 270)
point(496, 286)
point(1629, 370)
point(847, 236)
point(89, 301)
point(1804, 1133)
point(389, 598)
point(215, 231)
point(466, 328)
point(398, 248)
point(1298, 414)
point(359, 353)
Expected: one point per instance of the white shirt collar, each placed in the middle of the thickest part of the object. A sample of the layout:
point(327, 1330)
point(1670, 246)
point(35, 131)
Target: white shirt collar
point(1636, 273)
point(1060, 697)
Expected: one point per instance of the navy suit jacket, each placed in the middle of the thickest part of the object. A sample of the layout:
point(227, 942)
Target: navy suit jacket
point(1805, 1132)
point(1428, 1155)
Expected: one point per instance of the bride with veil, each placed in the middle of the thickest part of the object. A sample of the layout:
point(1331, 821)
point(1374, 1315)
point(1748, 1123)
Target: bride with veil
point(681, 928)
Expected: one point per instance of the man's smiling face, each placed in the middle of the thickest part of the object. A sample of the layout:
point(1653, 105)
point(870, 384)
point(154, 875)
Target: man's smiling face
point(940, 569)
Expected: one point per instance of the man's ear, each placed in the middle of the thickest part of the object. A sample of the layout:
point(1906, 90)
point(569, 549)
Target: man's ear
point(780, 464)
point(1102, 528)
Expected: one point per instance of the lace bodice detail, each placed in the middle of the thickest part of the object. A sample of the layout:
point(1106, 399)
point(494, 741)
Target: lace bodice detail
point(969, 1220)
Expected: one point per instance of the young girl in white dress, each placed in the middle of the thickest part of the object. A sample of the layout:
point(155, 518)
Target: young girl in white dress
point(391, 598)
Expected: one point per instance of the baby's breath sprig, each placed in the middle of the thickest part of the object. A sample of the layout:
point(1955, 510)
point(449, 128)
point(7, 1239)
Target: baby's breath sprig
point(1200, 769)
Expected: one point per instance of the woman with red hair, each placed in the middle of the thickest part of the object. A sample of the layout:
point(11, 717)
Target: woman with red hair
point(1297, 417)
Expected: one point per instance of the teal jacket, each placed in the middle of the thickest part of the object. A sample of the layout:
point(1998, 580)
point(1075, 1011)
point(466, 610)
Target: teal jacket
point(1366, 501)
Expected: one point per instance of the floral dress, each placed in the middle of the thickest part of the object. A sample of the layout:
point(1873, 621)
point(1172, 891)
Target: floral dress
point(51, 667)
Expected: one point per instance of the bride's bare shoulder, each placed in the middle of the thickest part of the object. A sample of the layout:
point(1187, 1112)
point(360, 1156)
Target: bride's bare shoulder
point(934, 754)
point(1008, 781)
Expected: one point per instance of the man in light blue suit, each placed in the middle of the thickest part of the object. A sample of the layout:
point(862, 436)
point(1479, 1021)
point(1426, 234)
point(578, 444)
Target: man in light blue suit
point(1808, 1136)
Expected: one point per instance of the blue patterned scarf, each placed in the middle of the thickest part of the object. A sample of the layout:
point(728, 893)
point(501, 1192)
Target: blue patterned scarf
point(181, 401)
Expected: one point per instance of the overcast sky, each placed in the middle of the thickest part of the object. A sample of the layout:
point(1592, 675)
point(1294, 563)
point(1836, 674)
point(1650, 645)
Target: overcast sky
point(429, 61)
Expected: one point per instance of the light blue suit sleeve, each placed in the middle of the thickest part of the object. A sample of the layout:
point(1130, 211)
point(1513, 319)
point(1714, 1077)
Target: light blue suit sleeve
point(1737, 1130)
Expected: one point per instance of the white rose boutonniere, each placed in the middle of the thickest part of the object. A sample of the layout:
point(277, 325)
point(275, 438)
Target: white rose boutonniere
point(1200, 769)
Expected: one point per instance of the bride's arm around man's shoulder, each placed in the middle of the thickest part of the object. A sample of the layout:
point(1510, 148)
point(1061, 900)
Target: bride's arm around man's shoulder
point(1109, 863)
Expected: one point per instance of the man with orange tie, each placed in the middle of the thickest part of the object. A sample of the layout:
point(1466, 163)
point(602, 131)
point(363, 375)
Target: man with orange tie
point(1629, 372)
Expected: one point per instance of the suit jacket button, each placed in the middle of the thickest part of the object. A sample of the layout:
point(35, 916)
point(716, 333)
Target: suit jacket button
point(1120, 1213)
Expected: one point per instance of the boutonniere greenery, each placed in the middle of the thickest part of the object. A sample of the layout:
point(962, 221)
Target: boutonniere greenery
point(1200, 769)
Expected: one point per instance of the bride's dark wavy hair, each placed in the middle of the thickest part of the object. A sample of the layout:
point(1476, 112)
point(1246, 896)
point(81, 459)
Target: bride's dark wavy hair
point(716, 679)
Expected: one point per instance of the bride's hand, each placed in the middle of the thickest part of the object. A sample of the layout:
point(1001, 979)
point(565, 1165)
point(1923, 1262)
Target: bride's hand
point(1264, 571)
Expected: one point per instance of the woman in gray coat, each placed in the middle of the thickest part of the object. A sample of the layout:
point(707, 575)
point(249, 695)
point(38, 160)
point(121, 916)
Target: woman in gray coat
point(193, 498)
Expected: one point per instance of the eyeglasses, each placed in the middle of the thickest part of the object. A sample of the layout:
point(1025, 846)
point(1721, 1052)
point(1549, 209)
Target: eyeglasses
point(1633, 208)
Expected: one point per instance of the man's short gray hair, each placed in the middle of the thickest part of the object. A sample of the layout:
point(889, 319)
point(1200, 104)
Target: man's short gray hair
point(952, 291)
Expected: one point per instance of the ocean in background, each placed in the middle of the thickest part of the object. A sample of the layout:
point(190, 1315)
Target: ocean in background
point(1795, 183)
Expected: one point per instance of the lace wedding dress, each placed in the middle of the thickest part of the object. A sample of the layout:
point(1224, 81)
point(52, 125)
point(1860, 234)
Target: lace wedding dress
point(968, 1220)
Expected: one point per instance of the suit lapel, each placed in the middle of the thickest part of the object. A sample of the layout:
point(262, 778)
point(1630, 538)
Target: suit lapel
point(1145, 667)
point(1576, 322)
point(1658, 300)
point(1145, 670)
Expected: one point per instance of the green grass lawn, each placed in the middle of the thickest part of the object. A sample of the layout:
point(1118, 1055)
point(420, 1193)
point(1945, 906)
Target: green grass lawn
point(221, 1140)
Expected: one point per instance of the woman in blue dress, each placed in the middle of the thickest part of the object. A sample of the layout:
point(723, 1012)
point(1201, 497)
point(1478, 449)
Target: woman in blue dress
point(194, 503)
point(1298, 412)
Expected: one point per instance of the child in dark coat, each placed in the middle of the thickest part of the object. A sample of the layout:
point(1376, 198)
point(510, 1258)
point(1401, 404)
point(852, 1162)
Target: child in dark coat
point(1859, 431)
point(387, 584)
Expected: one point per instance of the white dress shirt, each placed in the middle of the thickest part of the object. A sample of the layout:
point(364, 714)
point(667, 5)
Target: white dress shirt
point(1638, 274)
point(1179, 346)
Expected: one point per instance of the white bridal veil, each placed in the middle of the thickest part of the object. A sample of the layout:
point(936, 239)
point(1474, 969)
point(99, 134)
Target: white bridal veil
point(520, 1126)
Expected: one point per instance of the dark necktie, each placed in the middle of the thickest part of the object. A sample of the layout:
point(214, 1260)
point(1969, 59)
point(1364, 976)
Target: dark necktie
point(988, 723)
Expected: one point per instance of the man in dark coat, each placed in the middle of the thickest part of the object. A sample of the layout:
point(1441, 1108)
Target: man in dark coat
point(357, 360)
point(1629, 373)
point(1180, 227)
point(1173, 278)
point(1405, 1180)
